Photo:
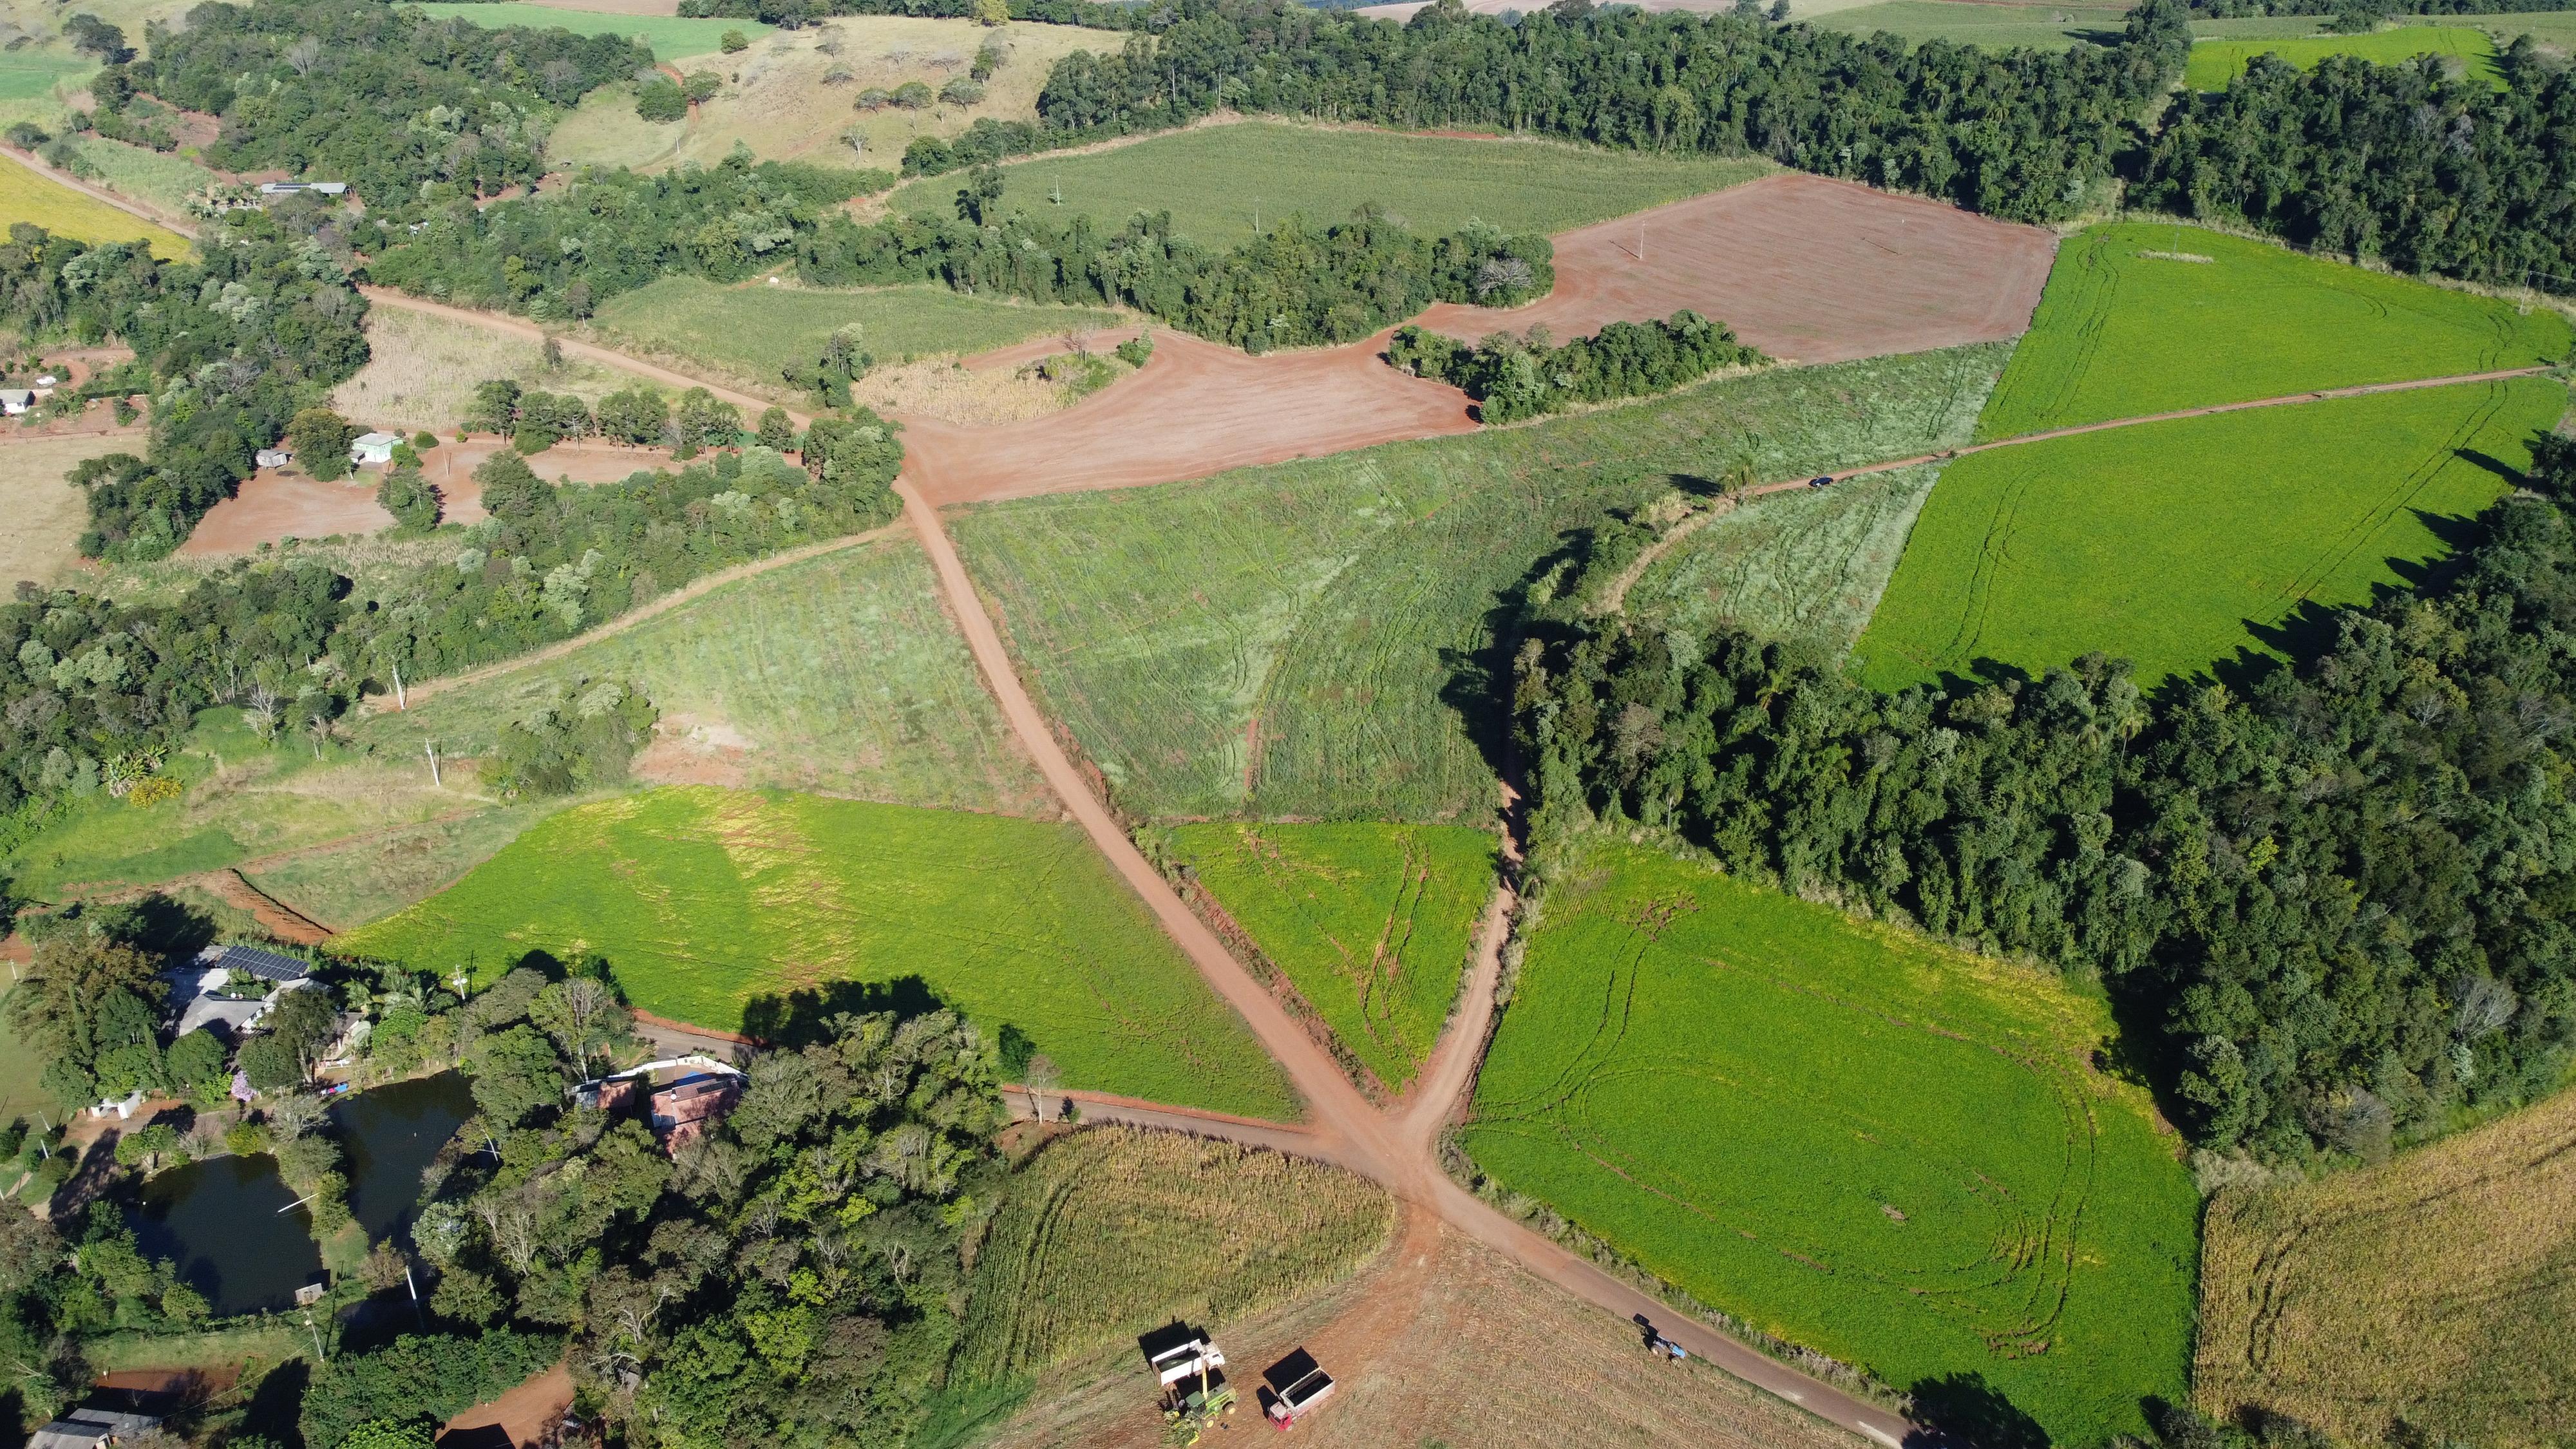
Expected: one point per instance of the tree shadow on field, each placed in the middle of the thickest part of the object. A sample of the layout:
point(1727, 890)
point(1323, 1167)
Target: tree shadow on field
point(276, 1408)
point(1480, 683)
point(804, 1016)
point(1963, 1411)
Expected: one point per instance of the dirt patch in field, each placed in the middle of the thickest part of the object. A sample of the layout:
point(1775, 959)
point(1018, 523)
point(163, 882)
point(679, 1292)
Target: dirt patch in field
point(276, 504)
point(450, 467)
point(1805, 268)
point(528, 1413)
point(1445, 1340)
point(1195, 408)
point(687, 750)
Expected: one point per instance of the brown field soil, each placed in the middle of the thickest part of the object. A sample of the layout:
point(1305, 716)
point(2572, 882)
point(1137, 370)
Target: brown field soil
point(45, 513)
point(1194, 409)
point(1446, 1341)
point(276, 504)
point(2434, 1290)
point(1805, 268)
point(526, 1413)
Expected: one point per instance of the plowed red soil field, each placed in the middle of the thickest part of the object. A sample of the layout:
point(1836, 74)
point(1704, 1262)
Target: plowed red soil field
point(1805, 268)
point(1196, 408)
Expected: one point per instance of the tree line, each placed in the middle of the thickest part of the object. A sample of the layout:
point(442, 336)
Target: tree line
point(1512, 378)
point(2339, 904)
point(257, 327)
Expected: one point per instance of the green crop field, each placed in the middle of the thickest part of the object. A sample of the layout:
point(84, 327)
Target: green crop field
point(28, 75)
point(2179, 544)
point(1995, 27)
point(1888, 1151)
point(756, 330)
point(710, 906)
point(2214, 63)
point(1347, 604)
point(1807, 565)
point(839, 674)
point(163, 180)
point(1217, 181)
point(1110, 1233)
point(2151, 317)
point(670, 36)
point(1372, 923)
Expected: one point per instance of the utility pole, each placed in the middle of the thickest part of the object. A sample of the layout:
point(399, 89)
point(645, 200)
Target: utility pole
point(400, 702)
point(431, 747)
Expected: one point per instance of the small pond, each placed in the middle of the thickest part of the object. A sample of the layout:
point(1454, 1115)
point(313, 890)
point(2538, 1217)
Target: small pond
point(221, 1220)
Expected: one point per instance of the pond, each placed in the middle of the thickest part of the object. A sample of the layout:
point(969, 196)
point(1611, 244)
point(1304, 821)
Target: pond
point(222, 1221)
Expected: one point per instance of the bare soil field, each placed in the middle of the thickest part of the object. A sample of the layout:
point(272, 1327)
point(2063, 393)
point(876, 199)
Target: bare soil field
point(1805, 268)
point(527, 1414)
point(1195, 408)
point(45, 513)
point(1445, 1341)
point(276, 504)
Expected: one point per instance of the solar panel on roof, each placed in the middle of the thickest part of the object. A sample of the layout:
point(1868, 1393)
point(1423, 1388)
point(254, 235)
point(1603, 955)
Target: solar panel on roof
point(266, 965)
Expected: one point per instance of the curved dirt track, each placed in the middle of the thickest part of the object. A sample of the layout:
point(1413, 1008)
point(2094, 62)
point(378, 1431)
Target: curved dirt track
point(1804, 267)
point(1194, 409)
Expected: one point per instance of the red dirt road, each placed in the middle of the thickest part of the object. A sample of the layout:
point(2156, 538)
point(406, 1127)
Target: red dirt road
point(1805, 268)
point(1194, 409)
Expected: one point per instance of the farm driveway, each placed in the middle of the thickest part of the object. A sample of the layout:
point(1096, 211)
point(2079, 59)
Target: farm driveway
point(1803, 267)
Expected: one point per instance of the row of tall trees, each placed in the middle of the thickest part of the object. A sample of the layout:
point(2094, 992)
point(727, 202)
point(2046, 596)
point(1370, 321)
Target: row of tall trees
point(1522, 377)
point(2339, 904)
point(237, 341)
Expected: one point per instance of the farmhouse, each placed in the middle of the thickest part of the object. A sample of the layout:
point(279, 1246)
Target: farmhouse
point(373, 448)
point(16, 400)
point(91, 1428)
point(232, 987)
point(687, 1095)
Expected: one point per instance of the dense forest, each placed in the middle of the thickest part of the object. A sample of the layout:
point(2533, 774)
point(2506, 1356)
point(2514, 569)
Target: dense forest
point(2341, 902)
point(1512, 378)
point(258, 327)
point(95, 693)
point(382, 98)
point(2402, 163)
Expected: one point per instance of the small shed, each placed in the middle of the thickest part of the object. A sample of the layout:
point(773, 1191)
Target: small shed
point(373, 448)
point(16, 400)
point(91, 1428)
point(273, 457)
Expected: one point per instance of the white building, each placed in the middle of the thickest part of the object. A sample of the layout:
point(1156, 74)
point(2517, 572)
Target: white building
point(273, 457)
point(373, 448)
point(16, 400)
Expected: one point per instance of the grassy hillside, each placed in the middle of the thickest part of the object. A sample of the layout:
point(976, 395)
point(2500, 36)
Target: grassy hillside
point(1348, 604)
point(2181, 544)
point(840, 674)
point(670, 36)
point(2216, 62)
point(1808, 565)
point(2436, 1290)
point(1892, 1152)
point(1994, 27)
point(720, 907)
point(1372, 923)
point(1218, 180)
point(754, 331)
point(1110, 1233)
point(2152, 317)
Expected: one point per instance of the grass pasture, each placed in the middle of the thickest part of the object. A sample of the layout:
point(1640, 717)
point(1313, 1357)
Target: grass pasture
point(2151, 317)
point(711, 905)
point(27, 196)
point(46, 514)
point(1995, 27)
point(422, 369)
point(1217, 181)
point(838, 674)
point(1888, 1151)
point(2214, 63)
point(2183, 544)
point(671, 36)
point(1806, 565)
point(1110, 1232)
point(1348, 603)
point(754, 331)
point(1373, 923)
point(2434, 1290)
point(31, 74)
point(152, 177)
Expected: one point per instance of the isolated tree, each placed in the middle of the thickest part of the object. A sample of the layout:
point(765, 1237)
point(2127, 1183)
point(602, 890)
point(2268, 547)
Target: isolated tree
point(733, 42)
point(701, 85)
point(776, 431)
point(661, 101)
point(92, 36)
point(320, 439)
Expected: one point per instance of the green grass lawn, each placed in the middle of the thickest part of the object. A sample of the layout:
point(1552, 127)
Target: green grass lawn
point(670, 36)
point(1806, 565)
point(2180, 544)
point(839, 674)
point(31, 74)
point(1373, 923)
point(705, 902)
point(759, 330)
point(1995, 27)
point(1846, 1136)
point(2214, 63)
point(1217, 181)
point(1347, 604)
point(2151, 317)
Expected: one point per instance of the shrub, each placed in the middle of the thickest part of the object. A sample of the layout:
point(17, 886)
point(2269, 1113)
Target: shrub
point(151, 791)
point(1135, 350)
point(701, 84)
point(912, 95)
point(962, 92)
point(660, 100)
point(733, 42)
point(874, 98)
